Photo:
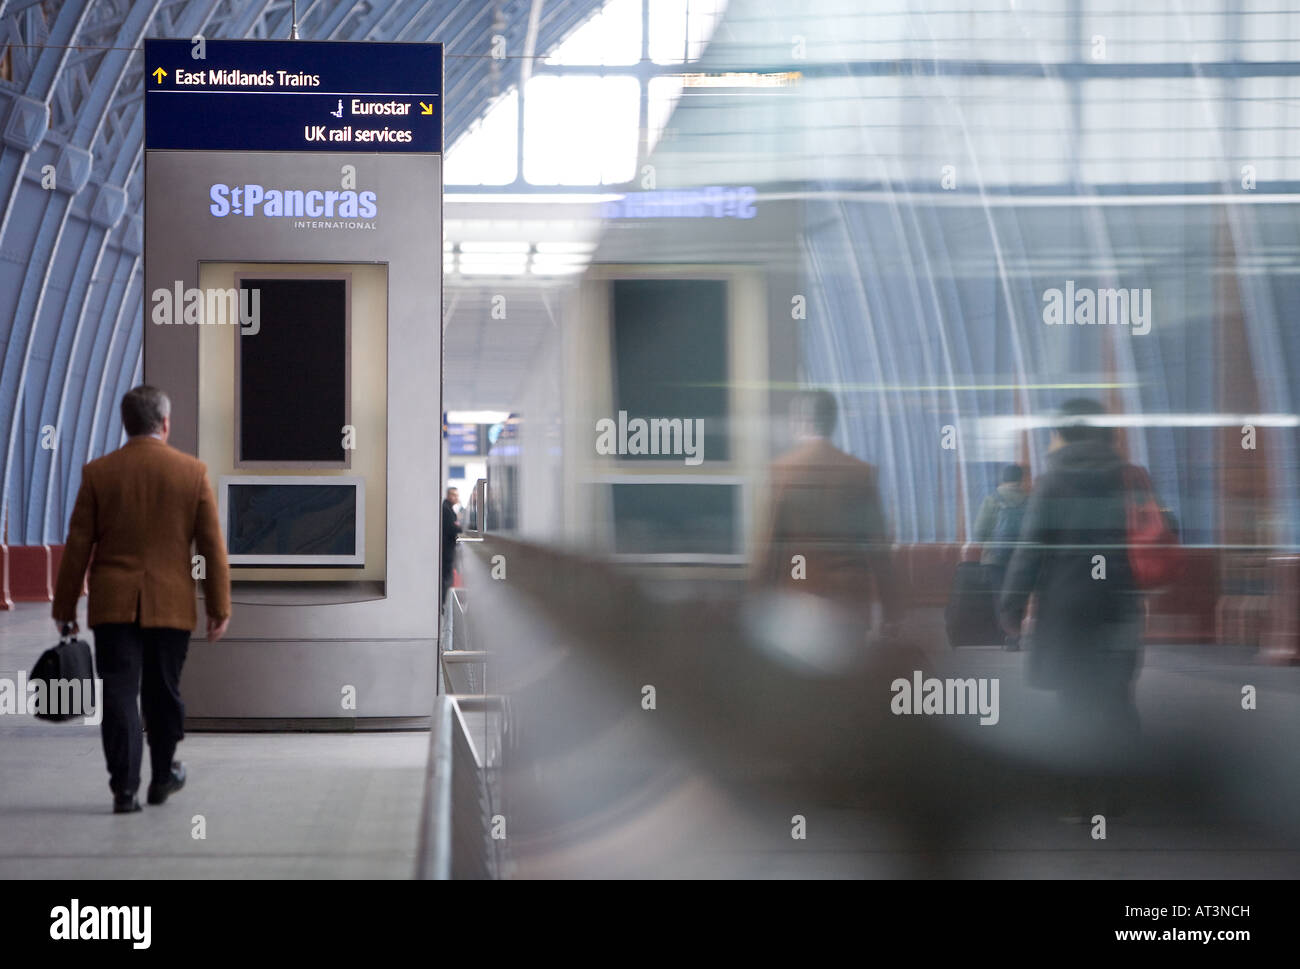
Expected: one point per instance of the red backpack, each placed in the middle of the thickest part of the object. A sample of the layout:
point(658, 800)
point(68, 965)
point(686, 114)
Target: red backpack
point(1154, 555)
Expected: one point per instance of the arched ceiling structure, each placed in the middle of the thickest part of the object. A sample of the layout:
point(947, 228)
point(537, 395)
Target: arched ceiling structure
point(71, 189)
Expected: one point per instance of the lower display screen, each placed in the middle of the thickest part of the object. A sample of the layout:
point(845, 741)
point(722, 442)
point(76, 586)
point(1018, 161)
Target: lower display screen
point(276, 521)
point(668, 519)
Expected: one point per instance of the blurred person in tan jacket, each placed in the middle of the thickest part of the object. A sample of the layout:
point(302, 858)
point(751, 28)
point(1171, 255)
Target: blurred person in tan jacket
point(826, 508)
point(138, 512)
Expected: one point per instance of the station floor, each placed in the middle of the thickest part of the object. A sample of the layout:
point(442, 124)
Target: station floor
point(272, 805)
point(1241, 825)
point(347, 805)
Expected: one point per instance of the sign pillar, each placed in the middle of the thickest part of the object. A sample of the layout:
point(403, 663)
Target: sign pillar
point(292, 312)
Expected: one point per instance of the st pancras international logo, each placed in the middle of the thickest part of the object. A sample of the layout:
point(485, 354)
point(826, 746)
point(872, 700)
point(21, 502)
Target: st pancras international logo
point(308, 208)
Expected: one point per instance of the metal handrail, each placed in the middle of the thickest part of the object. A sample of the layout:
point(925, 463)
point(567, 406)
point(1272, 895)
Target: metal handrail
point(455, 839)
point(455, 831)
point(454, 656)
point(462, 619)
point(434, 858)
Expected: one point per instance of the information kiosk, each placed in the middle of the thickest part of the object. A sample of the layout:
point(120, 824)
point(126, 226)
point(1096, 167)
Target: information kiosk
point(292, 312)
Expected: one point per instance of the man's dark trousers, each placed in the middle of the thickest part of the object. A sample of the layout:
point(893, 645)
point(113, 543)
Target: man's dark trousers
point(144, 664)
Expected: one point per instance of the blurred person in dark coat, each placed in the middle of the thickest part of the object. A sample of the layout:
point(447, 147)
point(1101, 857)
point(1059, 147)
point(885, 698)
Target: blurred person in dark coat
point(1086, 640)
point(451, 529)
point(997, 529)
point(997, 526)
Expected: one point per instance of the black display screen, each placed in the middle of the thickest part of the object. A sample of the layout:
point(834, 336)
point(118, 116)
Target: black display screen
point(670, 356)
point(675, 518)
point(293, 372)
point(291, 519)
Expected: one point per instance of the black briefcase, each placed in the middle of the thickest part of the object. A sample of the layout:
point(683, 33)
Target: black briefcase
point(68, 674)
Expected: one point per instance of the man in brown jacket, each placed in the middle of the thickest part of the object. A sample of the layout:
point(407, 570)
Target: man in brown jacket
point(827, 534)
point(137, 513)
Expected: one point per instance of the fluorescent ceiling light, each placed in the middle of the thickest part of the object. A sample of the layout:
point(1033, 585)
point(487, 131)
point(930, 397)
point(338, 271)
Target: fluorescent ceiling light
point(494, 247)
point(476, 416)
point(562, 258)
point(493, 269)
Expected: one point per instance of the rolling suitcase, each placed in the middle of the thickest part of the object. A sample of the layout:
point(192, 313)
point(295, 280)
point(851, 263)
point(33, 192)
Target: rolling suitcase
point(971, 615)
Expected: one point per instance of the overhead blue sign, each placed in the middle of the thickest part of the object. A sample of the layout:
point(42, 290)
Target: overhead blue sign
point(464, 440)
point(293, 95)
point(714, 201)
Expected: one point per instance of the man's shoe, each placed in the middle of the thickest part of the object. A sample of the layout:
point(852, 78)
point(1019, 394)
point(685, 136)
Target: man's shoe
point(125, 804)
point(175, 780)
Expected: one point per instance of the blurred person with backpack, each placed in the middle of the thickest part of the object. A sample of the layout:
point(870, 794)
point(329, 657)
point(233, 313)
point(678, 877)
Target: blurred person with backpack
point(997, 530)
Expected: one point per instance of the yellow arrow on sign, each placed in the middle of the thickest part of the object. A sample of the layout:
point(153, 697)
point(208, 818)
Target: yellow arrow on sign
point(159, 74)
point(426, 108)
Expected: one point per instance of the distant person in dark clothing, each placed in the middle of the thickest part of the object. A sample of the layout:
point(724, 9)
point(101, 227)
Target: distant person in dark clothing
point(997, 527)
point(827, 534)
point(997, 530)
point(450, 531)
point(1086, 641)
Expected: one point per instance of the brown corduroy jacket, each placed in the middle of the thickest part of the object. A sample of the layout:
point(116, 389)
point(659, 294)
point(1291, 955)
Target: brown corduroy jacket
point(138, 511)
